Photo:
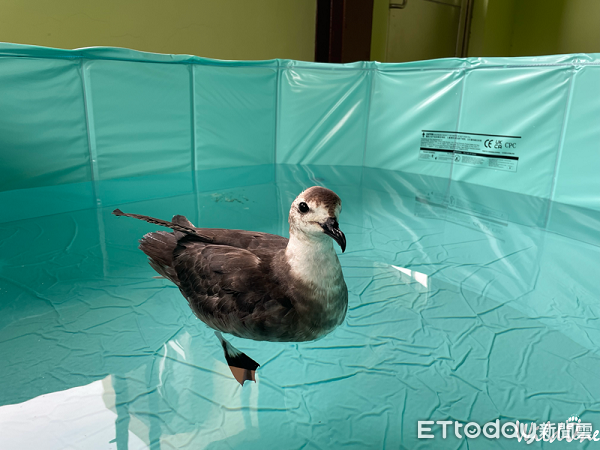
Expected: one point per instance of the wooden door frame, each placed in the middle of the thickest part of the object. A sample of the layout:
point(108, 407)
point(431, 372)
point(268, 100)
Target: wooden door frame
point(343, 30)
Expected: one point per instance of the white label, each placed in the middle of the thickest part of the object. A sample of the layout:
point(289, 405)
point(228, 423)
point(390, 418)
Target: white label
point(489, 151)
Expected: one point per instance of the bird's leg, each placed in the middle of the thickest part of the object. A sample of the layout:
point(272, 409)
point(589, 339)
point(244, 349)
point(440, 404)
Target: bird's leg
point(241, 365)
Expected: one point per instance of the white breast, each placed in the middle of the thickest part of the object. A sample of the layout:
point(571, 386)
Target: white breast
point(315, 262)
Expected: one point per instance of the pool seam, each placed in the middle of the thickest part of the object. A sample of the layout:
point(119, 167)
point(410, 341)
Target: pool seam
point(561, 142)
point(91, 135)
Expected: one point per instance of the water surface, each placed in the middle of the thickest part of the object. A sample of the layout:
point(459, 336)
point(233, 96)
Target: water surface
point(466, 303)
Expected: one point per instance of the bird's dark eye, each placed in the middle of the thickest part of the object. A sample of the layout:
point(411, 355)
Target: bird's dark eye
point(303, 207)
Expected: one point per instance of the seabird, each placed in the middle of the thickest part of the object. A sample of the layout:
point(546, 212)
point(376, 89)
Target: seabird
point(256, 285)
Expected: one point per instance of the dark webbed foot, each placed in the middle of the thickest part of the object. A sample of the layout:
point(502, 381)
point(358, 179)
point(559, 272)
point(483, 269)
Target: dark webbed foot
point(241, 365)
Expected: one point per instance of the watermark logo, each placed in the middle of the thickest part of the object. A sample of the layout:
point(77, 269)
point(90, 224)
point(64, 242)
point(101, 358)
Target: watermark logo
point(573, 429)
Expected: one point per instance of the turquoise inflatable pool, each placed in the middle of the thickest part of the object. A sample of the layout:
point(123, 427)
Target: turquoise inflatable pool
point(471, 207)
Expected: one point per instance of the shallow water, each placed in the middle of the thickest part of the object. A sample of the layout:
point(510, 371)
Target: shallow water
point(466, 304)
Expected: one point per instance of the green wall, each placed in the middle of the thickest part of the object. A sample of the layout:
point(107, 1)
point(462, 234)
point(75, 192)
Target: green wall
point(516, 27)
point(492, 26)
point(379, 30)
point(534, 27)
point(223, 29)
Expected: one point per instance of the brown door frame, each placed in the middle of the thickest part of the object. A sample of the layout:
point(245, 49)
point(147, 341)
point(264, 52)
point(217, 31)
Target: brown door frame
point(343, 31)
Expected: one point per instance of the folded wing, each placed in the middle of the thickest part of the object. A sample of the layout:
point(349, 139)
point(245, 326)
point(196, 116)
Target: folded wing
point(232, 289)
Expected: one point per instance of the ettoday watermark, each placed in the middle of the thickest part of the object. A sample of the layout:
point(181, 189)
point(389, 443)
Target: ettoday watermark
point(572, 430)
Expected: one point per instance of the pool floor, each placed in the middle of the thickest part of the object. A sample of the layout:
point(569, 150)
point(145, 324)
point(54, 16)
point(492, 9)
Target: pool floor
point(467, 304)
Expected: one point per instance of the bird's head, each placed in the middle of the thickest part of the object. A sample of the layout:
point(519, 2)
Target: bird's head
point(315, 213)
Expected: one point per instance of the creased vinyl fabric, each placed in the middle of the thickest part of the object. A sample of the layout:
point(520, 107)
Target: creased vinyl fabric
point(113, 113)
point(470, 309)
point(471, 208)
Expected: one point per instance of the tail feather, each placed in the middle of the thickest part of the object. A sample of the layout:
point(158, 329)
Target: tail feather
point(159, 246)
point(165, 271)
point(185, 229)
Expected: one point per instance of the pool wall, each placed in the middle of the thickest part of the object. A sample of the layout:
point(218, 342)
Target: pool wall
point(75, 116)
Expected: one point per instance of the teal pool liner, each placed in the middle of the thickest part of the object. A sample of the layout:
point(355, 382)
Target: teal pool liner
point(471, 206)
point(104, 113)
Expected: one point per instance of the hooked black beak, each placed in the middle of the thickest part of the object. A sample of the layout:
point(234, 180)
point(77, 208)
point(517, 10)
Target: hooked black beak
point(332, 228)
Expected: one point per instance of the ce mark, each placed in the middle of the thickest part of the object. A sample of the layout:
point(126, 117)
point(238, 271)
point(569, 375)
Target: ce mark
point(488, 143)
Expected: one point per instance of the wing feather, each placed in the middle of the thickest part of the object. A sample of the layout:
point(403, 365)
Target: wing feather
point(229, 289)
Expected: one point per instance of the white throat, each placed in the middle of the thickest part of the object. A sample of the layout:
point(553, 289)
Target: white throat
point(314, 261)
